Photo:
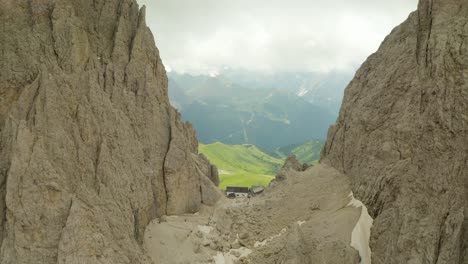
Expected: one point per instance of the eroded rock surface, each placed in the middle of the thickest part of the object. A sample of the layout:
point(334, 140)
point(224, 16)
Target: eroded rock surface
point(402, 138)
point(90, 149)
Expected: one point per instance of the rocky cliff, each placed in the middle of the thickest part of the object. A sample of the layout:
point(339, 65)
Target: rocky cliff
point(402, 138)
point(90, 149)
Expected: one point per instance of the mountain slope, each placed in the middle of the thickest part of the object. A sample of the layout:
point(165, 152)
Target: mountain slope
point(90, 149)
point(241, 165)
point(402, 138)
point(308, 152)
point(224, 111)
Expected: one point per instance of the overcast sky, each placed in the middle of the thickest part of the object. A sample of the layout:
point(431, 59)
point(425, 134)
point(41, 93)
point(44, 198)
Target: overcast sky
point(203, 36)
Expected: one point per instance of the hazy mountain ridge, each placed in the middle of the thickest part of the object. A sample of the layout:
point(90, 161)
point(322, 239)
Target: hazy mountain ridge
point(245, 108)
point(324, 89)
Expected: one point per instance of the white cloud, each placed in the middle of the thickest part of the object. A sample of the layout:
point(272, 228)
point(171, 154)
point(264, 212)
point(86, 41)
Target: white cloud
point(204, 36)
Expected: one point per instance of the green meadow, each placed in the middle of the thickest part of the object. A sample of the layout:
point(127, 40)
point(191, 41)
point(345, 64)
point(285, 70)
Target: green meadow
point(246, 165)
point(241, 165)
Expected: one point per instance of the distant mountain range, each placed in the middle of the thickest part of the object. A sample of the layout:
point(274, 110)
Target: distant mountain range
point(320, 89)
point(267, 110)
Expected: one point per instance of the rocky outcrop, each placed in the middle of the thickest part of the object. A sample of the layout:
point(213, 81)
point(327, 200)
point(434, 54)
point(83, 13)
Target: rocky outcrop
point(290, 166)
point(402, 138)
point(90, 149)
point(292, 163)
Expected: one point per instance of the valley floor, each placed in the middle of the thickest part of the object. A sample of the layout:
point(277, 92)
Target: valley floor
point(308, 218)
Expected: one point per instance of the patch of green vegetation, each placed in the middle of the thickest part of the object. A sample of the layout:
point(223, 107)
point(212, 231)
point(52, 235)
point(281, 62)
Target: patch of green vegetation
point(247, 165)
point(243, 179)
point(309, 152)
point(241, 165)
point(247, 158)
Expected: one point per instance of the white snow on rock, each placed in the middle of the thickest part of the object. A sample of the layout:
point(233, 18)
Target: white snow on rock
point(361, 232)
point(303, 91)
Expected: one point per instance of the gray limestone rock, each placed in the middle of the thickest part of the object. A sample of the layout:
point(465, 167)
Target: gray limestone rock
point(290, 166)
point(90, 148)
point(402, 138)
point(292, 163)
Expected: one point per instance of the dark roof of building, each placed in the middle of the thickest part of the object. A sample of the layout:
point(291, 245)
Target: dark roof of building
point(237, 189)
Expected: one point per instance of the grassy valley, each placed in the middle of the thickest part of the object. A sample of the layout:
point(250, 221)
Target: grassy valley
point(241, 165)
point(246, 165)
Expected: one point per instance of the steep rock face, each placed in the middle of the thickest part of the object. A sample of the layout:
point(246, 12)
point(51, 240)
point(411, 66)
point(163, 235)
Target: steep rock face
point(90, 149)
point(402, 137)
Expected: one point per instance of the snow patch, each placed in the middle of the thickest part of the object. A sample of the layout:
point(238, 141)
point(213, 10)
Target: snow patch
point(300, 222)
point(303, 91)
point(361, 232)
